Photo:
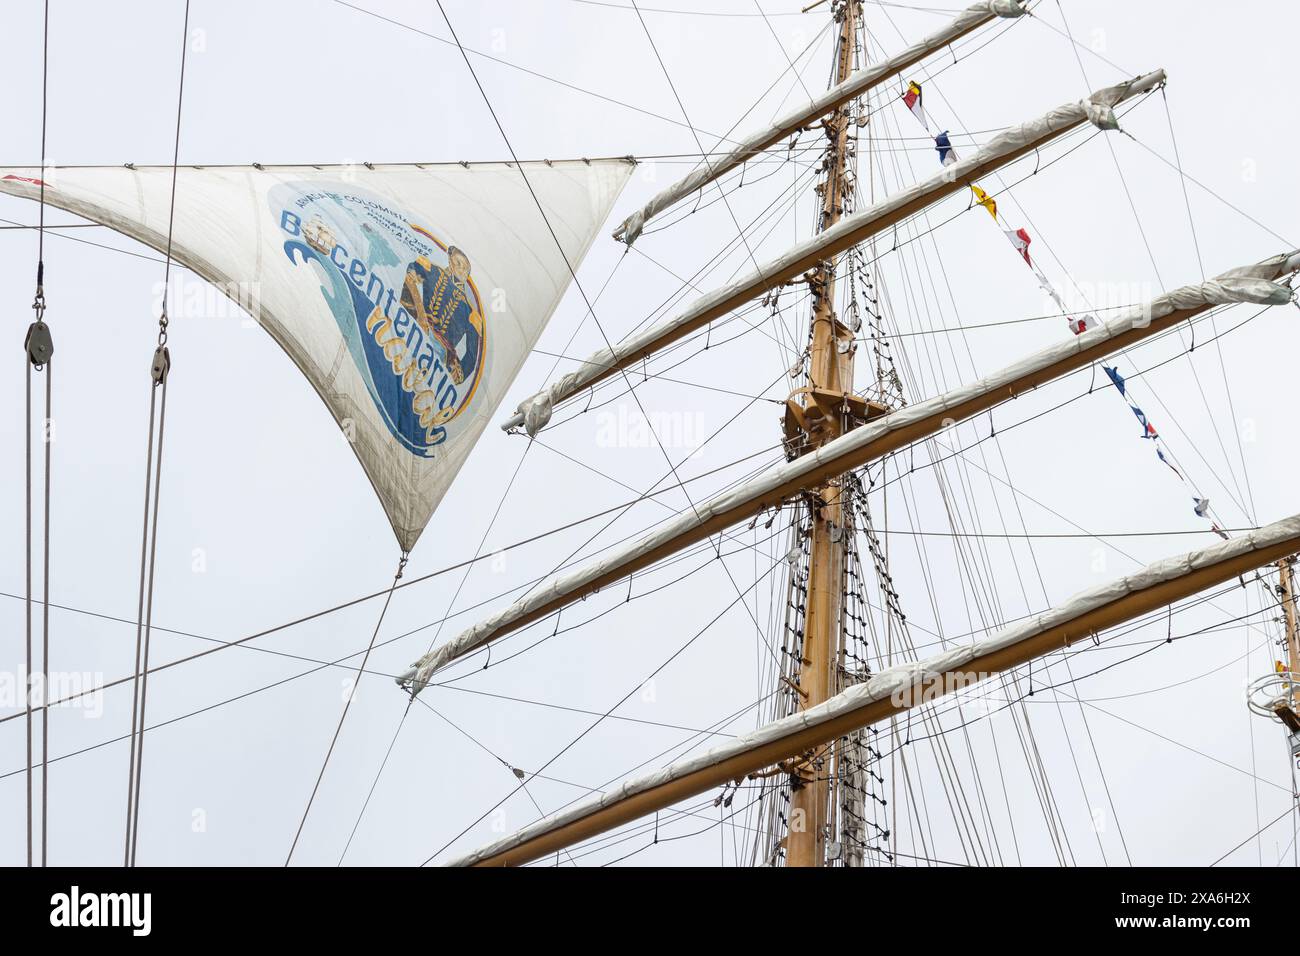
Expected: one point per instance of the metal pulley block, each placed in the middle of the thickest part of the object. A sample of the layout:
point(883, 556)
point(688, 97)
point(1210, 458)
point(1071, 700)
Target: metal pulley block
point(39, 343)
point(162, 364)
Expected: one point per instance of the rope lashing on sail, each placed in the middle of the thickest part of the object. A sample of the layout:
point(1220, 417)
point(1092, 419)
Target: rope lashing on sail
point(38, 346)
point(1254, 283)
point(159, 375)
point(1014, 143)
point(347, 704)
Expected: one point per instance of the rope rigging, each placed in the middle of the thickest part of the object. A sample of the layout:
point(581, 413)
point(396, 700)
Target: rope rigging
point(347, 704)
point(159, 376)
point(38, 346)
point(922, 789)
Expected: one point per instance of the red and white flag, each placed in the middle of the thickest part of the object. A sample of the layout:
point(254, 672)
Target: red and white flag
point(1082, 323)
point(912, 100)
point(1020, 239)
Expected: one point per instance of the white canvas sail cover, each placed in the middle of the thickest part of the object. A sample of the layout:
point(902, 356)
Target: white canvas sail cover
point(1013, 143)
point(853, 86)
point(408, 295)
point(1253, 283)
point(894, 682)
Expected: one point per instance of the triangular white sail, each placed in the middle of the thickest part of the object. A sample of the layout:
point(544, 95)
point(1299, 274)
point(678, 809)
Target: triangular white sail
point(1008, 146)
point(408, 295)
point(970, 19)
point(1254, 283)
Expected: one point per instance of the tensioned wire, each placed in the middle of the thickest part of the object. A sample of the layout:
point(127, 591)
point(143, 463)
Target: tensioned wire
point(1100, 536)
point(677, 558)
point(916, 302)
point(1012, 426)
point(433, 574)
point(1154, 616)
point(950, 706)
point(990, 603)
point(149, 526)
point(322, 665)
point(672, 657)
point(903, 243)
point(496, 513)
point(38, 306)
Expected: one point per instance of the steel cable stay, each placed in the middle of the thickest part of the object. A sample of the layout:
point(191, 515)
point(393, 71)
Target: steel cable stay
point(383, 764)
point(38, 348)
point(245, 641)
point(478, 551)
point(1242, 500)
point(159, 376)
point(919, 306)
point(994, 612)
point(347, 704)
point(340, 662)
point(1056, 814)
point(672, 657)
point(601, 370)
point(1014, 699)
point(944, 807)
point(260, 634)
point(681, 748)
point(1127, 352)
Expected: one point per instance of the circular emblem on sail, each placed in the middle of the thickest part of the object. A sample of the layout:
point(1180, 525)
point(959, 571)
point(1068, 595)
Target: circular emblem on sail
point(404, 301)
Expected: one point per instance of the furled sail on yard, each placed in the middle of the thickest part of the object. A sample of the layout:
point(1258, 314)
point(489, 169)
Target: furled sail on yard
point(861, 82)
point(1257, 283)
point(894, 690)
point(1008, 146)
point(408, 295)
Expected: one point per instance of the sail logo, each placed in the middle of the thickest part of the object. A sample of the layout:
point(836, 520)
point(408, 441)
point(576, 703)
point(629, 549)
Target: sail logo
point(404, 300)
point(75, 908)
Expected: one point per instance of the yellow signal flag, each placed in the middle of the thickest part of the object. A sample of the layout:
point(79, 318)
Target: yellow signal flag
point(984, 199)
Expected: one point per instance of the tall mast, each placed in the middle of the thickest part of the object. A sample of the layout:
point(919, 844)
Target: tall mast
point(1286, 585)
point(822, 411)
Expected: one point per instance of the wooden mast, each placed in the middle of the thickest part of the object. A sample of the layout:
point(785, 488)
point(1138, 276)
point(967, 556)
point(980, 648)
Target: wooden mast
point(1286, 582)
point(1082, 618)
point(822, 412)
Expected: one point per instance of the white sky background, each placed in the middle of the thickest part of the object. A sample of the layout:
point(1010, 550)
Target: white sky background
point(258, 479)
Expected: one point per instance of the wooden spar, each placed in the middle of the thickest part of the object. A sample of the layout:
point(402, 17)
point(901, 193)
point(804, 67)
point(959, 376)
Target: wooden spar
point(850, 231)
point(852, 450)
point(847, 88)
point(830, 373)
point(864, 705)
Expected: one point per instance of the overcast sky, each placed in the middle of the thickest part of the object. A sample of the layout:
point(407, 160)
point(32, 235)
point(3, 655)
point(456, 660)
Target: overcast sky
point(266, 517)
